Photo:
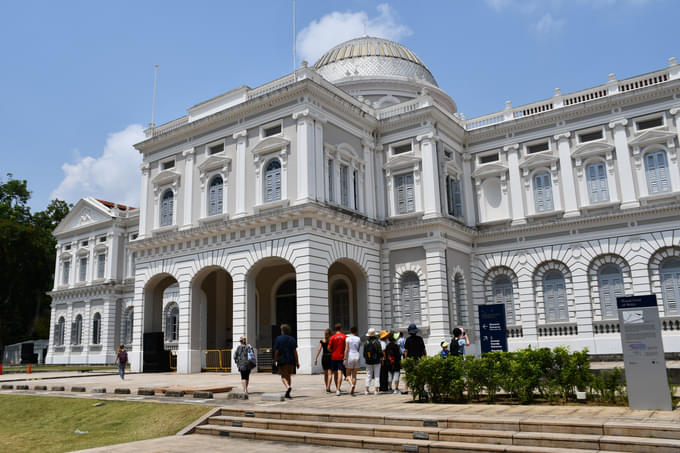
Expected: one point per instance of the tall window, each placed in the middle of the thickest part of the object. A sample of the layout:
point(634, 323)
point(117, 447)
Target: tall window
point(340, 304)
point(96, 328)
point(65, 271)
point(331, 181)
point(344, 185)
point(454, 197)
point(355, 187)
point(458, 285)
point(272, 181)
point(82, 269)
point(404, 193)
point(555, 297)
point(127, 327)
point(503, 294)
point(215, 196)
point(656, 168)
point(670, 283)
point(610, 281)
point(543, 196)
point(172, 323)
point(410, 297)
point(59, 332)
point(597, 182)
point(77, 331)
point(101, 265)
point(167, 203)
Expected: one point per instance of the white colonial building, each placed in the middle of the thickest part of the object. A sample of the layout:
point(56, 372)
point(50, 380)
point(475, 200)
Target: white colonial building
point(353, 191)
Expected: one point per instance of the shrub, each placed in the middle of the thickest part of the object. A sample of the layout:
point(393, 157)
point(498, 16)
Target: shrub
point(491, 371)
point(610, 385)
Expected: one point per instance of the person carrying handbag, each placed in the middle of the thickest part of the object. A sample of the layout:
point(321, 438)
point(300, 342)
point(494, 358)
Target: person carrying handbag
point(244, 357)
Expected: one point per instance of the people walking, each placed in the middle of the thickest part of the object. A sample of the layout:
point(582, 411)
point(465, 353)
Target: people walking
point(325, 359)
point(352, 356)
point(122, 360)
point(336, 345)
point(286, 357)
point(393, 362)
point(242, 358)
point(414, 347)
point(373, 355)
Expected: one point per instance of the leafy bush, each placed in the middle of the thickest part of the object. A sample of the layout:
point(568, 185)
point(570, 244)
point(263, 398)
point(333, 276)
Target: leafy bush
point(610, 385)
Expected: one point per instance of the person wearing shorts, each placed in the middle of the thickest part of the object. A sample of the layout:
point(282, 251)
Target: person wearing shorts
point(336, 345)
point(325, 359)
point(286, 357)
point(352, 356)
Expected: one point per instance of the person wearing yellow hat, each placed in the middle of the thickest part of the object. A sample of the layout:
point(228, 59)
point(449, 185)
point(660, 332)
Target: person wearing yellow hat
point(444, 353)
point(384, 384)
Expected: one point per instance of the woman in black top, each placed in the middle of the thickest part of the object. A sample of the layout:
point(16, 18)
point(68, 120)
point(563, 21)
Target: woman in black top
point(325, 359)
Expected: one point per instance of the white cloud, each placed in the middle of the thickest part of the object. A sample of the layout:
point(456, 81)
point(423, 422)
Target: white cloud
point(547, 24)
point(113, 176)
point(336, 27)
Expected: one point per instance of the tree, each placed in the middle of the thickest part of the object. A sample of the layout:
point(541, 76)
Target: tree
point(26, 262)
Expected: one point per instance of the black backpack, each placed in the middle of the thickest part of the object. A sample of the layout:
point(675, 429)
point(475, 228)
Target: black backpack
point(454, 348)
point(372, 351)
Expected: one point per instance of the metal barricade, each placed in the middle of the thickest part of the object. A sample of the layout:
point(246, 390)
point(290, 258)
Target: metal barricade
point(173, 360)
point(213, 360)
point(225, 356)
point(265, 359)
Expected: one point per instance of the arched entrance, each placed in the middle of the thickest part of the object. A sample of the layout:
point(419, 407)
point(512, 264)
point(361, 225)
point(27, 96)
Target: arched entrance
point(347, 296)
point(154, 355)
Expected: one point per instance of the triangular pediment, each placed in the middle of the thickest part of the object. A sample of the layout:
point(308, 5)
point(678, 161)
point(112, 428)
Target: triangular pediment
point(86, 212)
point(538, 160)
point(592, 149)
point(489, 169)
point(270, 144)
point(401, 162)
point(165, 177)
point(214, 162)
point(654, 136)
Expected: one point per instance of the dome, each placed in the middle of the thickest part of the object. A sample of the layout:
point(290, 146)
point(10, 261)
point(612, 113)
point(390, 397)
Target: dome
point(372, 57)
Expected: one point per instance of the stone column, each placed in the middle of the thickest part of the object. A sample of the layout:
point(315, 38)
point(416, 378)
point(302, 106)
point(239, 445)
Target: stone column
point(468, 191)
point(430, 175)
point(189, 356)
point(628, 198)
point(143, 197)
point(305, 156)
point(387, 298)
point(242, 292)
point(111, 271)
point(188, 187)
point(516, 185)
point(136, 350)
point(319, 160)
point(49, 360)
point(370, 188)
point(108, 341)
point(58, 268)
point(380, 183)
point(567, 175)
point(437, 294)
point(240, 186)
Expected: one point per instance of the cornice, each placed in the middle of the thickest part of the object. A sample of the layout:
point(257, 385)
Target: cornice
point(98, 289)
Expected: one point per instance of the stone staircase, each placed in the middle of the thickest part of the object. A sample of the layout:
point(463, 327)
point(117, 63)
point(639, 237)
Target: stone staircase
point(430, 433)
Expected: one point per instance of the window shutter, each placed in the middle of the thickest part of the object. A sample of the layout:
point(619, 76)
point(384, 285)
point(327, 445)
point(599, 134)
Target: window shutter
point(652, 176)
point(555, 298)
point(457, 199)
point(215, 196)
point(277, 183)
point(670, 281)
point(547, 192)
point(166, 208)
point(331, 186)
point(101, 263)
point(410, 194)
point(538, 193)
point(400, 194)
point(355, 187)
point(662, 169)
point(344, 188)
point(73, 333)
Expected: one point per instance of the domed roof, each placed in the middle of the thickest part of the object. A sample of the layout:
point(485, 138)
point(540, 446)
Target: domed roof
point(372, 57)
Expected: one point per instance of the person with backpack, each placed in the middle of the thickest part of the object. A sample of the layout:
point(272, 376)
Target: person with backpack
point(393, 362)
point(460, 340)
point(243, 359)
point(121, 359)
point(373, 355)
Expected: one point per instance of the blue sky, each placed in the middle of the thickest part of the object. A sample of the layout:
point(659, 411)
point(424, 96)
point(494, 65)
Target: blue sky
point(77, 76)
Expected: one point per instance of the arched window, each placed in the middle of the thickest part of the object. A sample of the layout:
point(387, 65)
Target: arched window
point(340, 311)
point(597, 182)
point(410, 297)
point(59, 332)
point(670, 283)
point(656, 169)
point(77, 331)
point(543, 196)
point(215, 196)
point(503, 294)
point(167, 202)
point(272, 181)
point(555, 297)
point(96, 328)
point(172, 323)
point(610, 281)
point(127, 326)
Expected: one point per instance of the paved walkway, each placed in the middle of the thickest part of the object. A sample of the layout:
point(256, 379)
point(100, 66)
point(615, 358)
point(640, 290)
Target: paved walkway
point(308, 393)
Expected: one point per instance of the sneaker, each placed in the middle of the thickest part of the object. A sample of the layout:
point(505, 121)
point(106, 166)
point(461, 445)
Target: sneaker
point(404, 393)
point(329, 391)
point(288, 393)
point(365, 392)
point(396, 392)
point(337, 392)
point(375, 392)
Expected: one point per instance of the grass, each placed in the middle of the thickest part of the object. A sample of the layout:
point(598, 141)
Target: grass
point(47, 424)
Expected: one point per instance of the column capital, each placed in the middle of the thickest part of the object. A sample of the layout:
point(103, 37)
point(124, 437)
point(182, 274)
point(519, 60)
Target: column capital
point(427, 136)
point(562, 136)
point(146, 168)
point(675, 110)
point(189, 153)
point(368, 142)
point(512, 147)
point(310, 115)
point(240, 135)
point(620, 122)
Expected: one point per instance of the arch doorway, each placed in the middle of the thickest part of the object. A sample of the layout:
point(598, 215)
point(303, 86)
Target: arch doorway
point(347, 296)
point(286, 307)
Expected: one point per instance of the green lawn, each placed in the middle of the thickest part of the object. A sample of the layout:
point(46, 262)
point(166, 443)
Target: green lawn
point(47, 424)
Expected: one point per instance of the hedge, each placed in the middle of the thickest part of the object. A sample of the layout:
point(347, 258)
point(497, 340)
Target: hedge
point(524, 375)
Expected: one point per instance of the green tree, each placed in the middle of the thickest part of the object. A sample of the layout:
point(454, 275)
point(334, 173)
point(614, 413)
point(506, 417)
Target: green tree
point(26, 262)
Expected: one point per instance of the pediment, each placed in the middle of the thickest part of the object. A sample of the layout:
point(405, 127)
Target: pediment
point(489, 170)
point(270, 144)
point(654, 136)
point(401, 162)
point(453, 168)
point(214, 162)
point(538, 160)
point(86, 212)
point(165, 177)
point(592, 149)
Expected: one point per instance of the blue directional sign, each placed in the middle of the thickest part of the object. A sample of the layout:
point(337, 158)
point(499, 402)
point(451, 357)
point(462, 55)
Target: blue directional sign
point(492, 329)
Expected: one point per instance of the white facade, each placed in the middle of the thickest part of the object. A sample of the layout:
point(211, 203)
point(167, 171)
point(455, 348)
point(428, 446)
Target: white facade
point(354, 191)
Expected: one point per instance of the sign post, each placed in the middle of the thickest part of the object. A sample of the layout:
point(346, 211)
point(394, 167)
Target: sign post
point(492, 329)
point(643, 358)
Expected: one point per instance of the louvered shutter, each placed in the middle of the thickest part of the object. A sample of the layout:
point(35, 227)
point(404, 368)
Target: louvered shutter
point(611, 287)
point(457, 199)
point(400, 192)
point(410, 194)
point(670, 281)
point(662, 172)
point(73, 333)
point(215, 196)
point(555, 298)
point(597, 183)
point(277, 183)
point(449, 195)
point(547, 192)
point(344, 185)
point(101, 264)
point(538, 193)
point(331, 185)
point(166, 208)
point(650, 170)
